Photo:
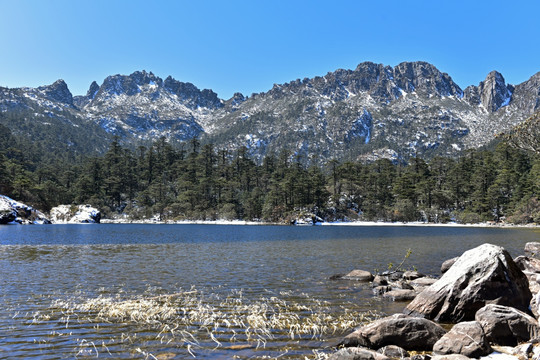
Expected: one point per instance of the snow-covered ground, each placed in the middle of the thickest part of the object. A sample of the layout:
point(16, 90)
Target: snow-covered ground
point(75, 214)
point(337, 223)
point(15, 212)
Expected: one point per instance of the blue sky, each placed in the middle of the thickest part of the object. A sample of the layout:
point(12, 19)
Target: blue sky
point(247, 46)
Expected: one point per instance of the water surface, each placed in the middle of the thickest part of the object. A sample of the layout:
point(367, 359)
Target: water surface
point(210, 291)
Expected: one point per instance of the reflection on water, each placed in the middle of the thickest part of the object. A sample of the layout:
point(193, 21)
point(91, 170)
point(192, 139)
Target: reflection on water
point(210, 291)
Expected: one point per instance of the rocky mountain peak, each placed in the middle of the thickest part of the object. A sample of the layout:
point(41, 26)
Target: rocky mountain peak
point(57, 91)
point(424, 78)
point(92, 91)
point(127, 84)
point(492, 93)
point(191, 95)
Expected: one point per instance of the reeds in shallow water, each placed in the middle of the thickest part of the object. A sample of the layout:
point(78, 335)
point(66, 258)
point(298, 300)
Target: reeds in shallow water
point(197, 322)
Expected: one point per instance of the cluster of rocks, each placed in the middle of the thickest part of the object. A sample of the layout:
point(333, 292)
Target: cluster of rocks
point(14, 212)
point(394, 285)
point(484, 302)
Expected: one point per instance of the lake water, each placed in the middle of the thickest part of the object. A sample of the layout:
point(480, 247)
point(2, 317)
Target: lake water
point(205, 291)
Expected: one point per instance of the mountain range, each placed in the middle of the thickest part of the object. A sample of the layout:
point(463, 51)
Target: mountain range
point(370, 112)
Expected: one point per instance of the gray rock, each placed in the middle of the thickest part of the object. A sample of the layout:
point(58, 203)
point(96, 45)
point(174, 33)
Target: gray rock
point(425, 281)
point(448, 264)
point(421, 357)
point(523, 351)
point(535, 301)
point(404, 285)
point(359, 275)
point(379, 280)
point(484, 275)
point(379, 290)
point(450, 357)
point(393, 275)
point(400, 295)
point(528, 264)
point(412, 275)
point(357, 353)
point(532, 249)
point(394, 351)
point(466, 338)
point(408, 332)
point(506, 326)
point(336, 277)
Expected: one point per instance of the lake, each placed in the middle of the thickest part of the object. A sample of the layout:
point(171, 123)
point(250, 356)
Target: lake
point(205, 291)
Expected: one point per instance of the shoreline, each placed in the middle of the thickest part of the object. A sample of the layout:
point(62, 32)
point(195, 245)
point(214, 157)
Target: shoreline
point(340, 223)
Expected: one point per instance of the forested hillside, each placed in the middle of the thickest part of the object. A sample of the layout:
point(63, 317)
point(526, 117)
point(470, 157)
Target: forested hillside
point(194, 181)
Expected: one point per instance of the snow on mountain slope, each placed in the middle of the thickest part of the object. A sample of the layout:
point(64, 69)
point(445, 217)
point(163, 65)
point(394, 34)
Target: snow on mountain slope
point(371, 111)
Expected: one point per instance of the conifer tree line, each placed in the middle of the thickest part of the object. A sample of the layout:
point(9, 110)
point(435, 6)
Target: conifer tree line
point(195, 181)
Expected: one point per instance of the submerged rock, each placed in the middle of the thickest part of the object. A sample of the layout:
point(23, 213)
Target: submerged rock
point(484, 275)
point(75, 214)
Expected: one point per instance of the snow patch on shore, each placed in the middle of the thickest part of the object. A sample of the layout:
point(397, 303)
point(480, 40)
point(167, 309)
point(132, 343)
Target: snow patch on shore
point(75, 214)
point(18, 213)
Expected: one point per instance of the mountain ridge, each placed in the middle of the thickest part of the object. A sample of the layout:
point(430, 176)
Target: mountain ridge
point(372, 111)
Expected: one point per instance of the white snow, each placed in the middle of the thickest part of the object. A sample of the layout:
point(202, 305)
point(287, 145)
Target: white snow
point(456, 147)
point(7, 205)
point(75, 214)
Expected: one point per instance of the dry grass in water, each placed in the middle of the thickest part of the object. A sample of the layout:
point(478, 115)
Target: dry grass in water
point(194, 321)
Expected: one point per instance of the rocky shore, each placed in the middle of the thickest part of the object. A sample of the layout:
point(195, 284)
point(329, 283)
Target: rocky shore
point(485, 302)
point(15, 212)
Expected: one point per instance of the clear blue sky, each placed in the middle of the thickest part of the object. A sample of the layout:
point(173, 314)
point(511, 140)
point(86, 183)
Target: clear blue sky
point(247, 46)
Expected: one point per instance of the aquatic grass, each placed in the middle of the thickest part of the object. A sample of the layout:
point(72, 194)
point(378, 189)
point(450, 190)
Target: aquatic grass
point(195, 321)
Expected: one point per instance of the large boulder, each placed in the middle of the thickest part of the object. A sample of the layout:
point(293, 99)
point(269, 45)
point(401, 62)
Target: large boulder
point(466, 338)
point(15, 212)
point(75, 214)
point(408, 332)
point(507, 326)
point(483, 275)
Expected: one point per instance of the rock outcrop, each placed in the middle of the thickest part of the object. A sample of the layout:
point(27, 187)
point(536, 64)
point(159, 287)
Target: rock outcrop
point(14, 212)
point(481, 276)
point(75, 214)
point(484, 275)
